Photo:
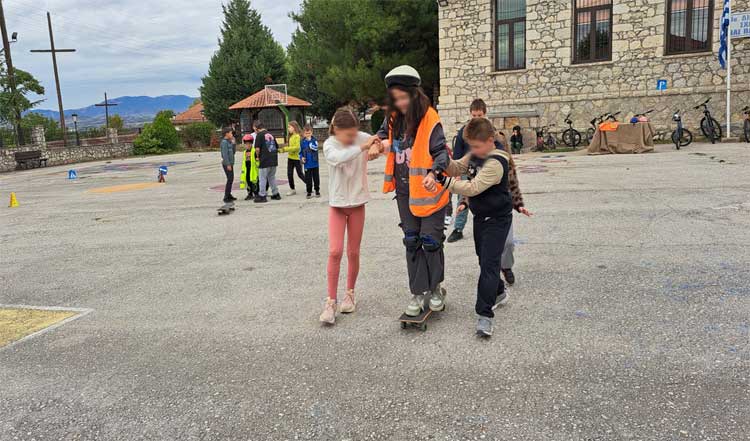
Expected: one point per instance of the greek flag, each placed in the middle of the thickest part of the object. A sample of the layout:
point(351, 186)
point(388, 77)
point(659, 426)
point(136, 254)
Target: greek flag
point(724, 38)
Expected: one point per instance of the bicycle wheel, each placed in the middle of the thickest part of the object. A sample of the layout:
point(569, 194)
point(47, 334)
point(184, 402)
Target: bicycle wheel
point(685, 140)
point(747, 130)
point(711, 129)
point(589, 134)
point(571, 138)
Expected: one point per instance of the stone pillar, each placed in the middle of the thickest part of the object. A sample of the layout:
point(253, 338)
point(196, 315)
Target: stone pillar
point(37, 137)
point(112, 136)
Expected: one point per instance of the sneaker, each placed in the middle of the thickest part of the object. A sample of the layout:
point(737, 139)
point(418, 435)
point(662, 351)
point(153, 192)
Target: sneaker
point(260, 200)
point(309, 196)
point(348, 305)
point(317, 195)
point(416, 306)
point(232, 197)
point(291, 193)
point(484, 327)
point(455, 236)
point(502, 298)
point(329, 312)
point(437, 300)
point(509, 276)
point(249, 197)
point(276, 197)
point(448, 220)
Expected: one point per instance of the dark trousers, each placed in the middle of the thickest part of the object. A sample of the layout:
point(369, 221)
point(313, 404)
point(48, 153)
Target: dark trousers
point(312, 178)
point(230, 182)
point(489, 241)
point(291, 166)
point(423, 239)
point(251, 190)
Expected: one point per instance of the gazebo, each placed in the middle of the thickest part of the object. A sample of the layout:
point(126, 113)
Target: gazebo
point(273, 108)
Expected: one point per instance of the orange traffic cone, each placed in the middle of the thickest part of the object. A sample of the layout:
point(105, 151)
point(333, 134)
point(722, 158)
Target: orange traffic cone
point(13, 201)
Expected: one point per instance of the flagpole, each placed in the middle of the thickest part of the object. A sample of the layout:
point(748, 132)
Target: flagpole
point(729, 72)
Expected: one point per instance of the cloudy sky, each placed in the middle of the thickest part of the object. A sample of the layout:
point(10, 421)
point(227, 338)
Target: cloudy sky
point(126, 47)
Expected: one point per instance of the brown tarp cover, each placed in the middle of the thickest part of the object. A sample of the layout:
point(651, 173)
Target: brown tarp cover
point(628, 138)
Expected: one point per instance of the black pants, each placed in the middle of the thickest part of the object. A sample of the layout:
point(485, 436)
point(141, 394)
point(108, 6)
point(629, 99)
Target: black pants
point(312, 177)
point(230, 182)
point(423, 239)
point(251, 190)
point(489, 241)
point(291, 166)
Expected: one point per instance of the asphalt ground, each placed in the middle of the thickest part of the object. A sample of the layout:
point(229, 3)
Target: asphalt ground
point(630, 319)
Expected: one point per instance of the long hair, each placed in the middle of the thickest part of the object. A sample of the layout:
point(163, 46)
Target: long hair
point(297, 129)
point(418, 105)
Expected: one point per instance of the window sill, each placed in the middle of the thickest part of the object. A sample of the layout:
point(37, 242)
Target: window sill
point(508, 71)
point(689, 54)
point(592, 63)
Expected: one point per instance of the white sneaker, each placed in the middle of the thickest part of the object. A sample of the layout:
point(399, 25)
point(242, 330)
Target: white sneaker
point(448, 220)
point(291, 193)
point(437, 300)
point(416, 306)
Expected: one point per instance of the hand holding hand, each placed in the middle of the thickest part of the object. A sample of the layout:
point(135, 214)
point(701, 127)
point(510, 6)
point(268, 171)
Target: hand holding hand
point(429, 183)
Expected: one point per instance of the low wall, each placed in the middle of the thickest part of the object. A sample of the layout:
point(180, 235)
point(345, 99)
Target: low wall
point(58, 155)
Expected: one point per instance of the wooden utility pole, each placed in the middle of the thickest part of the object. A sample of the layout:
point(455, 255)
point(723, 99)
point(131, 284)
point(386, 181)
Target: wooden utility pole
point(54, 52)
point(11, 75)
point(106, 106)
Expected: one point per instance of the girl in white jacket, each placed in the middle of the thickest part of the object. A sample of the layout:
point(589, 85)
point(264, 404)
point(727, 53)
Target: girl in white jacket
point(346, 153)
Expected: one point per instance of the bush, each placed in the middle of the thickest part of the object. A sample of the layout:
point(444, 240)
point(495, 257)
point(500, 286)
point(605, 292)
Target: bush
point(158, 137)
point(197, 134)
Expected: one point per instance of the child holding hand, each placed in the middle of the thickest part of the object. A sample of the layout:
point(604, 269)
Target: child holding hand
point(345, 151)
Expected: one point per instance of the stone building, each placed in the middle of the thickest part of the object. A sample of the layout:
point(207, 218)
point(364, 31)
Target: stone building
point(533, 61)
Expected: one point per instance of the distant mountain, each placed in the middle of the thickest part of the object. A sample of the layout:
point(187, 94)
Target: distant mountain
point(134, 110)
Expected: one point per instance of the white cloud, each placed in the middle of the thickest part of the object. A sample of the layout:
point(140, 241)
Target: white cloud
point(126, 47)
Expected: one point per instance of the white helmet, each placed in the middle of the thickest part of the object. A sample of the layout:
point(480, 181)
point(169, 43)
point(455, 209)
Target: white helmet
point(403, 76)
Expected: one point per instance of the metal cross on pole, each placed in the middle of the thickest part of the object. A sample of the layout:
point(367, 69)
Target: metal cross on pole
point(106, 106)
point(52, 50)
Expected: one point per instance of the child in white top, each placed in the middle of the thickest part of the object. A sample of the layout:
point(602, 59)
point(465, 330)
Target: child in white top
point(345, 151)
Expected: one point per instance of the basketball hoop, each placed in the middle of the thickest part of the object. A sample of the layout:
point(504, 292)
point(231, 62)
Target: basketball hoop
point(276, 94)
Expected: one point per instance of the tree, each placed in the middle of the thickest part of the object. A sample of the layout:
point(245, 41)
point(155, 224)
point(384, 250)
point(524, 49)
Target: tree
point(342, 50)
point(12, 105)
point(116, 122)
point(248, 58)
point(197, 134)
point(158, 137)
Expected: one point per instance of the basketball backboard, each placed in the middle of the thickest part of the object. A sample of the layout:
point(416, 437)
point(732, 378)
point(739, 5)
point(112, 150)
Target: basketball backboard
point(276, 94)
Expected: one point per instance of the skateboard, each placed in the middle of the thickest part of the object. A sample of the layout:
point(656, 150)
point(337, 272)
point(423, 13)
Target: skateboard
point(226, 209)
point(420, 321)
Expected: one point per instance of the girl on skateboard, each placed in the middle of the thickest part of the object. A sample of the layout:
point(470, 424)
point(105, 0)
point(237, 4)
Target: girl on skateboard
point(346, 153)
point(417, 153)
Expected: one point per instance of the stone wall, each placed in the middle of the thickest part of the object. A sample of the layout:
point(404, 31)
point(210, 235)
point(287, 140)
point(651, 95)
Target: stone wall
point(68, 155)
point(551, 86)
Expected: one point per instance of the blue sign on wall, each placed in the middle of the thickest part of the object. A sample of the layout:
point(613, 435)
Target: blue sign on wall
point(661, 84)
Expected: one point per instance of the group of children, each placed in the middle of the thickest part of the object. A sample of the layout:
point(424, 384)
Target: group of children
point(258, 174)
point(423, 179)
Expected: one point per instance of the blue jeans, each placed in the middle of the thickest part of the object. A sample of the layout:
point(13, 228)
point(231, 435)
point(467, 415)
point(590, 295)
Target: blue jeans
point(462, 217)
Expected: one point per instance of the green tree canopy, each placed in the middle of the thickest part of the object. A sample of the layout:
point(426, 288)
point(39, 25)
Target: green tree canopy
point(248, 58)
point(158, 137)
point(116, 122)
point(343, 49)
point(19, 102)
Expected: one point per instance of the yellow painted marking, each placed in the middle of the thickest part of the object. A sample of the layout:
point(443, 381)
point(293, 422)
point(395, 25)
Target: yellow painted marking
point(125, 187)
point(17, 323)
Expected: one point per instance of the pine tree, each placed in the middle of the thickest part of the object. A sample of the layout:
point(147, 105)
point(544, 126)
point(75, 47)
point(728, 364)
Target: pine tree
point(248, 58)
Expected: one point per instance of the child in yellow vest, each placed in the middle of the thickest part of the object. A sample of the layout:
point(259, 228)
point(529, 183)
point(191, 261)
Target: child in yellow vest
point(249, 176)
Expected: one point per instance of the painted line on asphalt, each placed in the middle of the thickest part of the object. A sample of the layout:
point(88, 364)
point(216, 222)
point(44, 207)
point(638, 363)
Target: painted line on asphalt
point(81, 312)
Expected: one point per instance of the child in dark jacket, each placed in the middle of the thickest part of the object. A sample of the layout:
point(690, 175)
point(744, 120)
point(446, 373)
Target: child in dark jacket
point(516, 140)
point(490, 201)
point(309, 156)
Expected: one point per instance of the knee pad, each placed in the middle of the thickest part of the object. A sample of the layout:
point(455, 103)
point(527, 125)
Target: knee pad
point(430, 244)
point(412, 241)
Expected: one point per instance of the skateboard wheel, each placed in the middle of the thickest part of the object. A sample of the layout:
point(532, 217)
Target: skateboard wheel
point(423, 327)
point(403, 325)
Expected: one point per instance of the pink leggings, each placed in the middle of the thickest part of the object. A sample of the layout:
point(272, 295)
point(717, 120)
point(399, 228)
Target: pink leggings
point(352, 222)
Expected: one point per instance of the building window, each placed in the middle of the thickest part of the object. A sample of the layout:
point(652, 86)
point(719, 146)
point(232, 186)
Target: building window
point(510, 34)
point(689, 25)
point(593, 31)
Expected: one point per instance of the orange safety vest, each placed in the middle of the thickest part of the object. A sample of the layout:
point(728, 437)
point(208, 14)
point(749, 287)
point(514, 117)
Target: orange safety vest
point(422, 203)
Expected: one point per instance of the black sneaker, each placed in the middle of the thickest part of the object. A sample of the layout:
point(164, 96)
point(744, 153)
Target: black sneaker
point(249, 197)
point(309, 195)
point(276, 197)
point(317, 195)
point(232, 198)
point(509, 276)
point(260, 200)
point(455, 236)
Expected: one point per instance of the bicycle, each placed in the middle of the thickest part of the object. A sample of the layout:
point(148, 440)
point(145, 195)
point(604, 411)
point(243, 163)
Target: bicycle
point(641, 117)
point(681, 137)
point(746, 125)
point(709, 126)
point(545, 140)
point(571, 137)
point(597, 121)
